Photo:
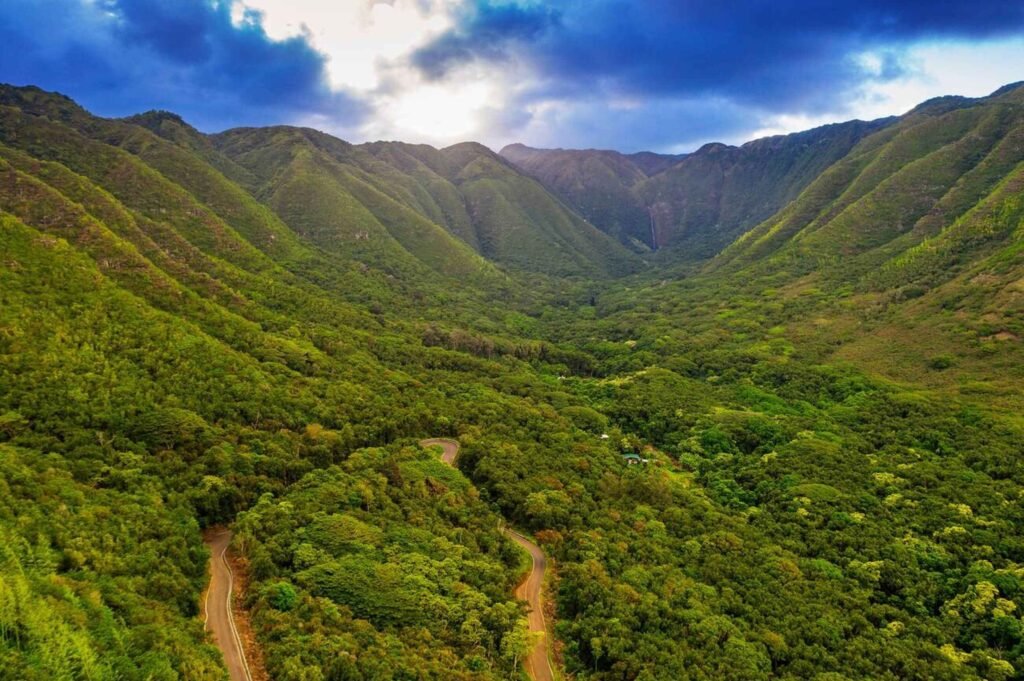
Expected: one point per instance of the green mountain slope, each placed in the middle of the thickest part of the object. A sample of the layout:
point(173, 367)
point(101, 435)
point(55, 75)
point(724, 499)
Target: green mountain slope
point(255, 328)
point(515, 218)
point(169, 352)
point(919, 228)
point(846, 378)
point(600, 185)
point(692, 205)
point(442, 206)
point(900, 186)
point(315, 183)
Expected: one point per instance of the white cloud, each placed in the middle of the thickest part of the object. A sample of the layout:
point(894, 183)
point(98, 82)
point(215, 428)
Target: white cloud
point(369, 44)
point(360, 37)
point(931, 70)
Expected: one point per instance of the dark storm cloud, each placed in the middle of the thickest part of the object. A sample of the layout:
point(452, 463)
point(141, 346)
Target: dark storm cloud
point(122, 56)
point(778, 55)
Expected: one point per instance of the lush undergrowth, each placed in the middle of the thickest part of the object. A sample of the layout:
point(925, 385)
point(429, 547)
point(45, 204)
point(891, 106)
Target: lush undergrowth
point(195, 330)
point(397, 561)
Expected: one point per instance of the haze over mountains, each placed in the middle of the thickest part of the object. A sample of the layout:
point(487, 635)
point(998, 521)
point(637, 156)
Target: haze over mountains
point(694, 204)
point(814, 341)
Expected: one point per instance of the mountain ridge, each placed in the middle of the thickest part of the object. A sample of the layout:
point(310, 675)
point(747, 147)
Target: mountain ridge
point(800, 458)
point(693, 204)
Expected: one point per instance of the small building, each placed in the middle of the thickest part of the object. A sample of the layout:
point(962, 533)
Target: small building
point(634, 459)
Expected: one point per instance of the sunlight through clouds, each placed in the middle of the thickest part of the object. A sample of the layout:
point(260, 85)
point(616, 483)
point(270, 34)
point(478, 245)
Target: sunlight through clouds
point(361, 39)
point(662, 77)
point(368, 45)
point(440, 111)
point(370, 48)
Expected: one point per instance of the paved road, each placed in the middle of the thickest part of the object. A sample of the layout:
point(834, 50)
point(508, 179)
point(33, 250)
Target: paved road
point(219, 618)
point(537, 664)
point(450, 448)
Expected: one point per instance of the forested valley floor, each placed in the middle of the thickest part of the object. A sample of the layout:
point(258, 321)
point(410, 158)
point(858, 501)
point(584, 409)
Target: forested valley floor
point(800, 458)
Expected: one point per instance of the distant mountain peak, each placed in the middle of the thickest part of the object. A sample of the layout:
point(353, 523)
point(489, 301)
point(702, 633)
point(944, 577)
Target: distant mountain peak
point(695, 202)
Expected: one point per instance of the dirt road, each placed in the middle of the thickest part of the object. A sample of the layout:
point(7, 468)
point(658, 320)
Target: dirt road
point(217, 607)
point(537, 664)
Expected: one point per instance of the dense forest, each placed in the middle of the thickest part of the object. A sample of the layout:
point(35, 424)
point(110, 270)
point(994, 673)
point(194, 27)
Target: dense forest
point(255, 329)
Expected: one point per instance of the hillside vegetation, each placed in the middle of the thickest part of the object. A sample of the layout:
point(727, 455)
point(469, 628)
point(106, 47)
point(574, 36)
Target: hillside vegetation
point(445, 207)
point(917, 236)
point(255, 328)
point(602, 186)
point(695, 204)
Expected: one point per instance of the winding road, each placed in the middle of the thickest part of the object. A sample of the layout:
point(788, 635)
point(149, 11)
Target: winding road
point(219, 618)
point(537, 664)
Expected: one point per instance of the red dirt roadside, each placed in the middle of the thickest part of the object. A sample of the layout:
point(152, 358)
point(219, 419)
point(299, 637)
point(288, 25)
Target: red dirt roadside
point(537, 664)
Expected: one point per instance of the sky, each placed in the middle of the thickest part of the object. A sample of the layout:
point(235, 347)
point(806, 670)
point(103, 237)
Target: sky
point(661, 75)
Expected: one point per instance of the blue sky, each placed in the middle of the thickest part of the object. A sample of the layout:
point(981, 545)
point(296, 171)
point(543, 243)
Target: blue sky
point(659, 74)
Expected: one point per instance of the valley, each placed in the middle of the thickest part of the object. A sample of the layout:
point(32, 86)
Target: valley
point(810, 342)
